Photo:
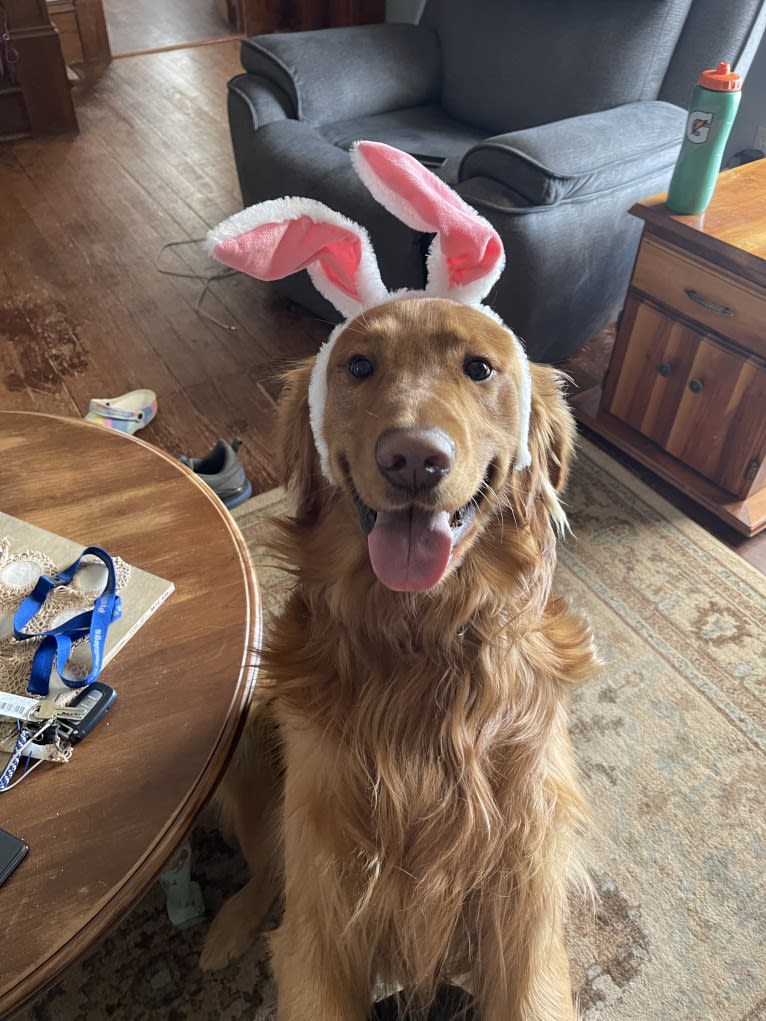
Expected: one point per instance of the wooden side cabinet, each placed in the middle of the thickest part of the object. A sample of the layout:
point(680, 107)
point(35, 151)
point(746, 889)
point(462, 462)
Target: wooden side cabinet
point(257, 16)
point(685, 392)
point(38, 100)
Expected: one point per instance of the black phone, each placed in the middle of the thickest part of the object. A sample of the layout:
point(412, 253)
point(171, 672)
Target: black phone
point(13, 850)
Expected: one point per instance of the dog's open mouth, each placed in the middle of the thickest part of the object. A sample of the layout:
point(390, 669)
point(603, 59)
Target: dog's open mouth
point(410, 548)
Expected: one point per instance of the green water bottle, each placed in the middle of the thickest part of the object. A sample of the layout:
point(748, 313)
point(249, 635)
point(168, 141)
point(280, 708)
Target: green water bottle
point(711, 114)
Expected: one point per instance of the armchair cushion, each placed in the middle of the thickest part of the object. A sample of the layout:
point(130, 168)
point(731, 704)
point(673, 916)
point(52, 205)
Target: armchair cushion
point(424, 131)
point(342, 73)
point(581, 156)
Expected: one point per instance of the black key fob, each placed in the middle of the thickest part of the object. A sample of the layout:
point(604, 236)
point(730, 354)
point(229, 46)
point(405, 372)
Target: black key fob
point(97, 699)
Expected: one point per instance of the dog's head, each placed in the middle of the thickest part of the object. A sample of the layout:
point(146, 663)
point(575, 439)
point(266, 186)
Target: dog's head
point(422, 422)
point(421, 406)
point(422, 438)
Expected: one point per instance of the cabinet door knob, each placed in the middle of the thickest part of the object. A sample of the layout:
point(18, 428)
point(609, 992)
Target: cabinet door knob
point(722, 310)
point(695, 385)
point(665, 369)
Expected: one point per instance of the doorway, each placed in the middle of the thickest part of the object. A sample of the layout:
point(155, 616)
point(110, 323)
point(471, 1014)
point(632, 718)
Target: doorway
point(134, 26)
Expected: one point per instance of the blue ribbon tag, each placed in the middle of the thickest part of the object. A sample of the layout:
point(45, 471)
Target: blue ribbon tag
point(56, 645)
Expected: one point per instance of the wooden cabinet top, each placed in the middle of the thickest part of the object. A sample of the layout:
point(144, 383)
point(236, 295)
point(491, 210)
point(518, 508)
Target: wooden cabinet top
point(731, 233)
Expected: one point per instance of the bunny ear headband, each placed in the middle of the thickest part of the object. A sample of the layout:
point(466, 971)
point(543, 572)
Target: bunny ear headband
point(271, 240)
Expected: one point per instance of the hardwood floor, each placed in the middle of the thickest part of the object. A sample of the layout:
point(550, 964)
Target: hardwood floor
point(84, 310)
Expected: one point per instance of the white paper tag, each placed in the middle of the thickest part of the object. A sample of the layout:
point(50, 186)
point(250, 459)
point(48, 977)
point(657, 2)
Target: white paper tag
point(17, 707)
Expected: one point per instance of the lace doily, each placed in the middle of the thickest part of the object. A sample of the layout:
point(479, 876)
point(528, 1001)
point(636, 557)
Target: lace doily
point(19, 573)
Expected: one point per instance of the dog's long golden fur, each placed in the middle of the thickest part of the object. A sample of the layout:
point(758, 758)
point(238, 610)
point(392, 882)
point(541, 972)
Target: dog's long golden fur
point(407, 761)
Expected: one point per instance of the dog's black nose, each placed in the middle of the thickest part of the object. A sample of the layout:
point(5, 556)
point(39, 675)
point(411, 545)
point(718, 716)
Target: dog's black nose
point(414, 458)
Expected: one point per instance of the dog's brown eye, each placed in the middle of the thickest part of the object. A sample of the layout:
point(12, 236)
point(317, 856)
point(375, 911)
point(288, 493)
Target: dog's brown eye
point(477, 369)
point(360, 367)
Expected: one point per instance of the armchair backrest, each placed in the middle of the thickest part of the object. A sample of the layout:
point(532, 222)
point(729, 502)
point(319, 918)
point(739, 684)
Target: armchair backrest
point(513, 64)
point(713, 31)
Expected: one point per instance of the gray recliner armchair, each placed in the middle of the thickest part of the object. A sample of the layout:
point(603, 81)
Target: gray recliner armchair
point(550, 117)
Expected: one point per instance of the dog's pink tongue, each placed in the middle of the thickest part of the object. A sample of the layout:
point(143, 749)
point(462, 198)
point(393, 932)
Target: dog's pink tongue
point(410, 549)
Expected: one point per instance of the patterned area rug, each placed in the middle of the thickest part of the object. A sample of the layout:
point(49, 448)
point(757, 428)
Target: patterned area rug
point(671, 740)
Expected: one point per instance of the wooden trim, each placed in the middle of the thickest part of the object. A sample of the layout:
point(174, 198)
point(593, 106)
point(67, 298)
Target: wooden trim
point(91, 23)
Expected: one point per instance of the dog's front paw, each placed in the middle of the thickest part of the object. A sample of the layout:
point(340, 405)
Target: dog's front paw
point(234, 928)
point(215, 955)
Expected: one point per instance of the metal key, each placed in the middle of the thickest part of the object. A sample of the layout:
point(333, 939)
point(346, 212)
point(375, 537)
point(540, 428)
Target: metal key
point(50, 710)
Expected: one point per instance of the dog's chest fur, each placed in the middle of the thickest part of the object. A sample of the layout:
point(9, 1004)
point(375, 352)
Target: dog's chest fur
point(409, 775)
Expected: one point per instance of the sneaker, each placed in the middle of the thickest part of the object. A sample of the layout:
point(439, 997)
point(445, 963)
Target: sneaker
point(223, 471)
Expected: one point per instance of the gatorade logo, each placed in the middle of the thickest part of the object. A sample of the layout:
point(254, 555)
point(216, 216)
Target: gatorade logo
point(698, 126)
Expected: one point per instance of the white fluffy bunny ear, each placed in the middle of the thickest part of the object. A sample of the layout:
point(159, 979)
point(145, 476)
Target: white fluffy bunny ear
point(273, 239)
point(466, 256)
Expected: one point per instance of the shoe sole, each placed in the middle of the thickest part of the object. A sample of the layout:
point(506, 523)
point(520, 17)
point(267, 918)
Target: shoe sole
point(237, 498)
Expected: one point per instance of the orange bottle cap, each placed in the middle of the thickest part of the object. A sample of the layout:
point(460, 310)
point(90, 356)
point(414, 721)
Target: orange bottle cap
point(721, 78)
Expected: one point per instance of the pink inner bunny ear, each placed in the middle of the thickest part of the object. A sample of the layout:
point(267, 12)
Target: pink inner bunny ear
point(275, 250)
point(470, 246)
point(275, 239)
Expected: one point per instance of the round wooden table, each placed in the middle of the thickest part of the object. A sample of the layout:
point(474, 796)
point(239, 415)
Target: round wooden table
point(101, 828)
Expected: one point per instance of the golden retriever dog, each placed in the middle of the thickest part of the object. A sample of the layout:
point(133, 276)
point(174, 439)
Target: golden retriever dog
point(406, 779)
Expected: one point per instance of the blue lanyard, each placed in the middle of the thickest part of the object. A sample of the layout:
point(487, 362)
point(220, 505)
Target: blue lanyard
point(56, 645)
point(7, 774)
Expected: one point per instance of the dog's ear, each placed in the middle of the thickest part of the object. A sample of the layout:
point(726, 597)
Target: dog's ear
point(298, 460)
point(552, 435)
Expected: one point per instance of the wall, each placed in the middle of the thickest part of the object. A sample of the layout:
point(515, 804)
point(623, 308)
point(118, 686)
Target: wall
point(404, 10)
point(752, 107)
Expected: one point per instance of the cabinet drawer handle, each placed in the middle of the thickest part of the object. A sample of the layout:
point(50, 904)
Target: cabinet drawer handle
point(665, 369)
point(722, 310)
point(695, 385)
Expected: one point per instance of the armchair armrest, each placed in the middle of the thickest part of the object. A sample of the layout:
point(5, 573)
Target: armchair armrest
point(335, 74)
point(582, 156)
point(264, 101)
